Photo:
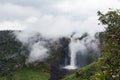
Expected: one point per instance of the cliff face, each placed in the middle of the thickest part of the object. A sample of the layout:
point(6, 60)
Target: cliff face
point(61, 57)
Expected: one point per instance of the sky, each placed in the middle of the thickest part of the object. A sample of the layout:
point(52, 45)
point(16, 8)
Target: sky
point(54, 17)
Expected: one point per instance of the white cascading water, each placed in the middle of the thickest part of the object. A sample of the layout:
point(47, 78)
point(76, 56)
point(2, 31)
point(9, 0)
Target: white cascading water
point(74, 47)
point(73, 50)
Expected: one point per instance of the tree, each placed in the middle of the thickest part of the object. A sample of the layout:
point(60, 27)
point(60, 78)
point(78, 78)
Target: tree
point(110, 64)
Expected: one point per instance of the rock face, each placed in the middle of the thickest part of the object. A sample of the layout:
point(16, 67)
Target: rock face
point(57, 71)
point(65, 51)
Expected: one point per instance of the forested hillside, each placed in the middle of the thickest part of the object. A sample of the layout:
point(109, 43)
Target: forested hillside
point(13, 57)
point(12, 53)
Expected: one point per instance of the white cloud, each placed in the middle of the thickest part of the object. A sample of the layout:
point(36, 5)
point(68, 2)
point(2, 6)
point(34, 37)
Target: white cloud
point(12, 12)
point(85, 6)
point(61, 18)
point(13, 25)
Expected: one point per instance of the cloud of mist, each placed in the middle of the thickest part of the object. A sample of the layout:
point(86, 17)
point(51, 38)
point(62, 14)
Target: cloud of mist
point(85, 44)
point(38, 52)
point(36, 45)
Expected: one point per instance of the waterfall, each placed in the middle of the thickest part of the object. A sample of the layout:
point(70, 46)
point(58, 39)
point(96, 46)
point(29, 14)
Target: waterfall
point(80, 49)
point(73, 45)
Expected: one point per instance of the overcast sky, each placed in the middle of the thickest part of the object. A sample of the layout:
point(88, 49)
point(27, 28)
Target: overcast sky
point(53, 17)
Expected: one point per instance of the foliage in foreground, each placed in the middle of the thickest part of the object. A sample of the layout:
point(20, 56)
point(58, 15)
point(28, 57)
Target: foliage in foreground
point(110, 65)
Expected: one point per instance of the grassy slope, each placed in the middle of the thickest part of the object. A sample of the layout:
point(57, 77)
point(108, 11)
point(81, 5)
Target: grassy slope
point(30, 74)
point(84, 73)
